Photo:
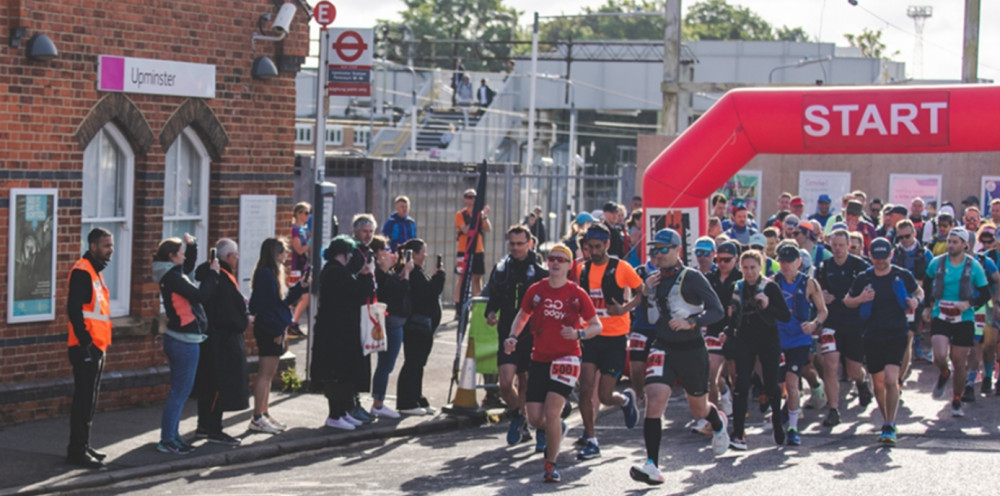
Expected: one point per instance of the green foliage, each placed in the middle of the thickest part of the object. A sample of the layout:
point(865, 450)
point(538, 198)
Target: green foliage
point(290, 380)
point(642, 27)
point(785, 33)
point(870, 42)
point(717, 20)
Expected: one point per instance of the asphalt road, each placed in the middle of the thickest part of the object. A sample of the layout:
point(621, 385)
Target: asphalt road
point(936, 454)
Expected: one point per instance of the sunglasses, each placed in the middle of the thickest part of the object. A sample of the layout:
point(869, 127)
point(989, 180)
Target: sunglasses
point(904, 236)
point(470, 197)
point(987, 240)
point(724, 259)
point(557, 259)
point(661, 250)
point(702, 253)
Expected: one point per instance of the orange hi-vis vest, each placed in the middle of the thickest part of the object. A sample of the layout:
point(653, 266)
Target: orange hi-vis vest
point(97, 313)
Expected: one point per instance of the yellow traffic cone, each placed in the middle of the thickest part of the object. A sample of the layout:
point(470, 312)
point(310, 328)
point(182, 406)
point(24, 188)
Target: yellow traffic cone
point(465, 403)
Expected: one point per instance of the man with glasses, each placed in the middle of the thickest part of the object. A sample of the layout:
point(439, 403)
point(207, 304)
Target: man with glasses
point(463, 224)
point(608, 281)
point(686, 303)
point(704, 253)
point(909, 254)
point(510, 279)
point(985, 337)
point(972, 219)
point(856, 224)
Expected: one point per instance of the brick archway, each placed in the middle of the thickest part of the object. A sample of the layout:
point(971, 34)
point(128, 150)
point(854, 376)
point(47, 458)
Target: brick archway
point(117, 108)
point(197, 114)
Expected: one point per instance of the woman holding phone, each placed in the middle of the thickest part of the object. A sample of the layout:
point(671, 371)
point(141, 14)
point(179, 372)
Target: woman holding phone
point(418, 333)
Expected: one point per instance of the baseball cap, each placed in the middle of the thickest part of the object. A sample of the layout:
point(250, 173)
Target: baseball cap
point(880, 249)
point(739, 206)
point(757, 239)
point(960, 232)
point(797, 200)
point(667, 237)
point(824, 198)
point(788, 253)
point(705, 243)
point(971, 200)
point(584, 218)
point(729, 248)
point(610, 207)
point(792, 220)
point(854, 207)
point(809, 228)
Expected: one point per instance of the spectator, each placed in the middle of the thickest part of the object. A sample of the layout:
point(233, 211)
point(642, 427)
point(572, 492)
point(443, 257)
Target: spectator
point(447, 136)
point(392, 278)
point(535, 222)
point(485, 94)
point(579, 226)
point(741, 231)
point(823, 213)
point(400, 227)
point(89, 314)
point(995, 212)
point(635, 203)
point(464, 220)
point(186, 326)
point(222, 379)
point(613, 223)
point(365, 227)
point(464, 91)
point(456, 78)
point(345, 285)
point(270, 299)
point(301, 245)
point(797, 206)
point(418, 333)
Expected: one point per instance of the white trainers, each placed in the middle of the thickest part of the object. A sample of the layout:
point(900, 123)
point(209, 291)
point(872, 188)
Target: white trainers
point(720, 440)
point(817, 399)
point(647, 473)
point(351, 420)
point(430, 410)
point(701, 426)
point(413, 411)
point(339, 424)
point(273, 421)
point(726, 403)
point(385, 412)
point(262, 425)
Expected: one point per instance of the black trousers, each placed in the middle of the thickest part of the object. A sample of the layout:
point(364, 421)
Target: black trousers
point(747, 352)
point(339, 397)
point(86, 387)
point(409, 387)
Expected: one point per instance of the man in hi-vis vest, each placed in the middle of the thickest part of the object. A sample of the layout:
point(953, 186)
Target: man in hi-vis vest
point(89, 312)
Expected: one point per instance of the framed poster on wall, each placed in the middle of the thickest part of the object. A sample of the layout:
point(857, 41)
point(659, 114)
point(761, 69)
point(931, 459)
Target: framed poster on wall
point(31, 255)
point(903, 188)
point(990, 190)
point(745, 186)
point(257, 220)
point(683, 220)
point(815, 183)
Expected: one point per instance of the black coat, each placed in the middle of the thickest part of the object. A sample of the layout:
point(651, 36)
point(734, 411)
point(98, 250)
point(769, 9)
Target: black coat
point(222, 365)
point(425, 293)
point(336, 352)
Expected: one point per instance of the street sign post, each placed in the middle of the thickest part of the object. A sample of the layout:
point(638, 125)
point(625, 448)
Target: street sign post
point(324, 12)
point(349, 69)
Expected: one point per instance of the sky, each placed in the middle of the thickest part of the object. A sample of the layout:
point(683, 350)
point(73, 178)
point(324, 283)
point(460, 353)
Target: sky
point(823, 20)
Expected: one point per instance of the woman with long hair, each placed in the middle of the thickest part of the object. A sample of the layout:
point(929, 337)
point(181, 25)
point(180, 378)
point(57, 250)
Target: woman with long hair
point(186, 329)
point(270, 302)
point(418, 332)
point(392, 278)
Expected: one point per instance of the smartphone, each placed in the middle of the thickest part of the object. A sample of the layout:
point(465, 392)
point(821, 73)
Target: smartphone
point(409, 256)
point(211, 254)
point(440, 261)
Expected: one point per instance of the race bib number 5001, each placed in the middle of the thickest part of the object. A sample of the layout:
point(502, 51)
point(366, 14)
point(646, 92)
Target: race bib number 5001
point(565, 370)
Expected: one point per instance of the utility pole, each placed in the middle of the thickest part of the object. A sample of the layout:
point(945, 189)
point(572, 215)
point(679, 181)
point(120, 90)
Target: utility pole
point(970, 44)
point(671, 67)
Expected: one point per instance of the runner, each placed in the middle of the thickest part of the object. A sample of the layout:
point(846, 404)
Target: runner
point(511, 277)
point(909, 254)
point(803, 296)
point(720, 349)
point(555, 355)
point(642, 335)
point(886, 293)
point(605, 279)
point(950, 285)
point(678, 352)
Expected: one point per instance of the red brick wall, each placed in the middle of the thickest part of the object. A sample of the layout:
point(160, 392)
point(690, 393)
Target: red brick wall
point(43, 105)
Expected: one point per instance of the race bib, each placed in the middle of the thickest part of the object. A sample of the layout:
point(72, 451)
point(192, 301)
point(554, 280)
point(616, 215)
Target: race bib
point(565, 370)
point(294, 276)
point(828, 341)
point(911, 316)
point(980, 319)
point(781, 360)
point(713, 343)
point(949, 312)
point(637, 342)
point(654, 363)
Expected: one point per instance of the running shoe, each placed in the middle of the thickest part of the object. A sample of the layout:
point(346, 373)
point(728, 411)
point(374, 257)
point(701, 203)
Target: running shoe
point(865, 395)
point(726, 403)
point(817, 398)
point(764, 405)
point(417, 411)
point(778, 429)
point(589, 451)
point(351, 420)
point(938, 391)
point(183, 443)
point(987, 386)
point(294, 331)
point(738, 444)
point(514, 429)
point(339, 423)
point(429, 410)
point(173, 447)
point(888, 435)
point(969, 394)
point(956, 409)
point(832, 418)
point(224, 439)
point(701, 426)
point(581, 442)
point(647, 473)
point(262, 425)
point(273, 421)
point(385, 412)
point(630, 409)
point(552, 473)
point(720, 438)
point(539, 441)
point(793, 439)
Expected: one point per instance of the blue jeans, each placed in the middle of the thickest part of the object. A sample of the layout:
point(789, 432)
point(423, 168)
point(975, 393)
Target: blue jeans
point(183, 364)
point(386, 362)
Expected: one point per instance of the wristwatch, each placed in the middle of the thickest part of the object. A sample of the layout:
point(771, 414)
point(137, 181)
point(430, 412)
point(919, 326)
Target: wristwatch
point(581, 335)
point(693, 321)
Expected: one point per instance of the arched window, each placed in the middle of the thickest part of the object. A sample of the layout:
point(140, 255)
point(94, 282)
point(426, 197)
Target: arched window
point(185, 189)
point(108, 169)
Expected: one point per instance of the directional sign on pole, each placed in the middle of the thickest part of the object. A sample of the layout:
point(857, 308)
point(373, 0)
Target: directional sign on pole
point(324, 12)
point(350, 61)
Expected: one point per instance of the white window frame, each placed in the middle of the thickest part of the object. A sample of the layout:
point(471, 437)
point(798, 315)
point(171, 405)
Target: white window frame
point(201, 220)
point(122, 256)
point(335, 135)
point(304, 133)
point(361, 132)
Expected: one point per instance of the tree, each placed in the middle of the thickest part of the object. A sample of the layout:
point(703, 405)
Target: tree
point(717, 20)
point(785, 33)
point(870, 43)
point(463, 21)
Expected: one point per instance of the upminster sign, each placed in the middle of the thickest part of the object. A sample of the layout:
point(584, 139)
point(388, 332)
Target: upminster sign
point(155, 77)
point(850, 119)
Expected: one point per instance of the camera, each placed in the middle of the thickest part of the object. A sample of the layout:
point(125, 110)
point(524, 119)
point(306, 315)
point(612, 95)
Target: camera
point(283, 21)
point(212, 254)
point(409, 256)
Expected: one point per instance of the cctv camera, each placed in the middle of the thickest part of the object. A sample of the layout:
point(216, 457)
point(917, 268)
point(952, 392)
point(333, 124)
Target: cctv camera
point(284, 18)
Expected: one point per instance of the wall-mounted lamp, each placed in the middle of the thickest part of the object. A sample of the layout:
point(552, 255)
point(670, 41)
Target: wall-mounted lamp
point(41, 47)
point(264, 68)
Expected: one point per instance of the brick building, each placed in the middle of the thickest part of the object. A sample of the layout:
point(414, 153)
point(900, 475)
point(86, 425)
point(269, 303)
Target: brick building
point(150, 160)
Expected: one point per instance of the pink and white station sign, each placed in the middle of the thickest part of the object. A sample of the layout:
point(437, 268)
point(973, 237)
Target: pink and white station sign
point(155, 77)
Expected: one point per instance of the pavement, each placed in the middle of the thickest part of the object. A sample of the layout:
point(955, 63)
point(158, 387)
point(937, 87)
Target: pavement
point(33, 453)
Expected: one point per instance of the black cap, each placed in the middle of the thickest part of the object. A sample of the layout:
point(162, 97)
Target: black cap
point(610, 207)
point(971, 200)
point(854, 207)
point(788, 253)
point(880, 249)
point(899, 210)
point(729, 248)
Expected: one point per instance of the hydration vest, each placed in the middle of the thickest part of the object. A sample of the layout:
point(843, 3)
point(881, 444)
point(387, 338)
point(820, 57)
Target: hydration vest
point(965, 289)
point(912, 261)
point(609, 287)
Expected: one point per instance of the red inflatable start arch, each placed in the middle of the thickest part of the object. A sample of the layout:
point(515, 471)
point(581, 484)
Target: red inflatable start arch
point(746, 122)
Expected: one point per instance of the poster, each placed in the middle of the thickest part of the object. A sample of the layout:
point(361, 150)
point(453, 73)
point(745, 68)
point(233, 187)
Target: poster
point(682, 220)
point(814, 183)
point(903, 188)
point(990, 191)
point(257, 221)
point(31, 256)
point(745, 185)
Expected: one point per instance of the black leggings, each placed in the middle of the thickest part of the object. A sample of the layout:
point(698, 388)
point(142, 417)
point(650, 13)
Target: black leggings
point(747, 352)
point(339, 397)
point(410, 384)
